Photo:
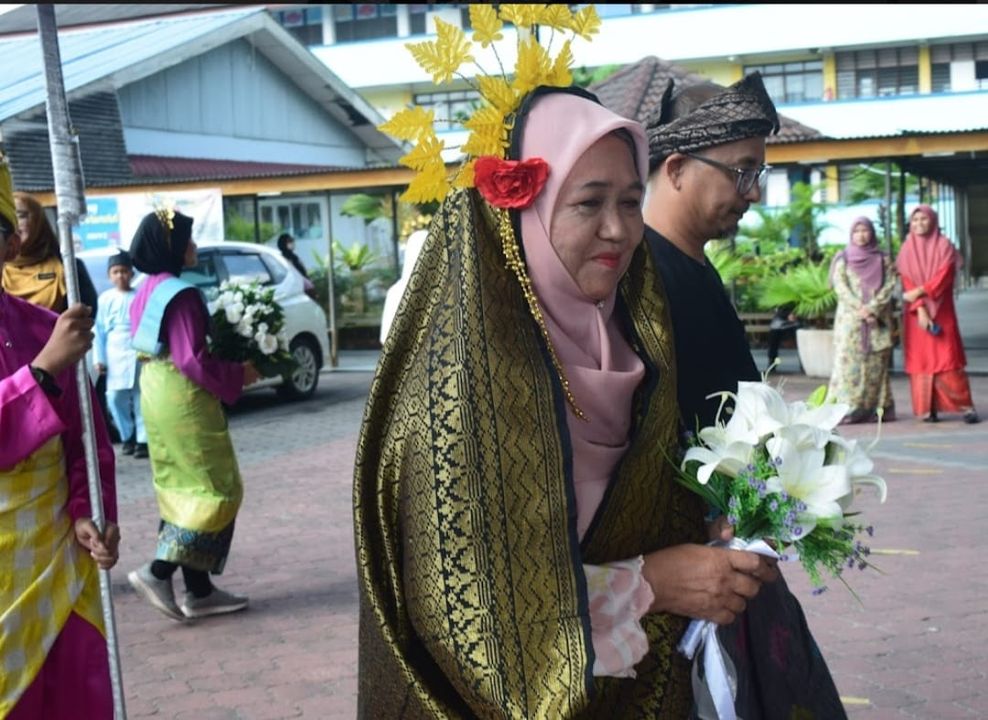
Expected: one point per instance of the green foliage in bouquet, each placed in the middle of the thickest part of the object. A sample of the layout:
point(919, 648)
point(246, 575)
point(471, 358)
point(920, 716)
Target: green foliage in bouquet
point(247, 324)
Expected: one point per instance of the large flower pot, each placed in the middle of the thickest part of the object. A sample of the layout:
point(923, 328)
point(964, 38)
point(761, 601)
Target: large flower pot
point(816, 351)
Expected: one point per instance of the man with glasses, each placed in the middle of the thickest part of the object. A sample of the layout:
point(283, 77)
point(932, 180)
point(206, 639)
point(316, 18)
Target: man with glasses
point(706, 165)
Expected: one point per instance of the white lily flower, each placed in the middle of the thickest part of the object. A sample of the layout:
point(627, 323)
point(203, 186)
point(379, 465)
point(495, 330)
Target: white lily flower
point(802, 474)
point(267, 343)
point(809, 426)
point(860, 466)
point(212, 307)
point(727, 449)
point(760, 408)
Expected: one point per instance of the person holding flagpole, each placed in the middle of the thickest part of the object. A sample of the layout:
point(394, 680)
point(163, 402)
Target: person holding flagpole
point(53, 651)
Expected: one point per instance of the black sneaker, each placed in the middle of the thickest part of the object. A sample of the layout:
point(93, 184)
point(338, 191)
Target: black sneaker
point(971, 417)
point(128, 448)
point(141, 451)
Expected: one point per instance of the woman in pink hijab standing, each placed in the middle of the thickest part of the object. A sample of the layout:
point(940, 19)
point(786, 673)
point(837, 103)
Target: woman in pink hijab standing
point(864, 278)
point(934, 353)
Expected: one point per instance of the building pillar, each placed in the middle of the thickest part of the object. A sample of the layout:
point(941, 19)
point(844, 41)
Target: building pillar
point(829, 76)
point(328, 25)
point(832, 183)
point(925, 70)
point(404, 21)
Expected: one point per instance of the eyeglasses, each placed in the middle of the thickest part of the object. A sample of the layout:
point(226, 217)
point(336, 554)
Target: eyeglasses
point(746, 177)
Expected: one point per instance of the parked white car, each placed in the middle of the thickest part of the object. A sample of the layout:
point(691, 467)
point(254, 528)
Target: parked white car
point(305, 321)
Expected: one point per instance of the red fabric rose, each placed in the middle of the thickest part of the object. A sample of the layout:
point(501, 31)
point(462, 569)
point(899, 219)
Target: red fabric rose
point(510, 184)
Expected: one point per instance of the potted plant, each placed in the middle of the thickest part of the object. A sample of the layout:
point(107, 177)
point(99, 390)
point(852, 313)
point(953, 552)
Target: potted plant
point(806, 288)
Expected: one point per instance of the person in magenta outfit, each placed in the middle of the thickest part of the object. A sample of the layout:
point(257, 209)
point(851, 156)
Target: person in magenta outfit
point(196, 478)
point(53, 653)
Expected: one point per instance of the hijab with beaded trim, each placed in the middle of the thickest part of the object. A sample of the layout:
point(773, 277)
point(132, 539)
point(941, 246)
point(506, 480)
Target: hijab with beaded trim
point(600, 365)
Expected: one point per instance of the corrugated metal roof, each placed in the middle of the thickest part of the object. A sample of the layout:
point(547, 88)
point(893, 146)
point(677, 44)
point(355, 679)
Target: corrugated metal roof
point(94, 53)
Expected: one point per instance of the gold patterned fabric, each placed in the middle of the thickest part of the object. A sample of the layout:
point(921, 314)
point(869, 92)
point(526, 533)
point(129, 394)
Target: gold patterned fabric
point(472, 593)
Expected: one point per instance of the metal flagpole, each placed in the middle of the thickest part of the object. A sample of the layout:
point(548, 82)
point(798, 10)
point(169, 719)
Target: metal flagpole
point(70, 196)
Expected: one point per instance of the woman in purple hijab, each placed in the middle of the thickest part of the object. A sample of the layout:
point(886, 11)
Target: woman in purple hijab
point(864, 278)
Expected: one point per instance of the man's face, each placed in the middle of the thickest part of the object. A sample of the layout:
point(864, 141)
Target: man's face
point(711, 193)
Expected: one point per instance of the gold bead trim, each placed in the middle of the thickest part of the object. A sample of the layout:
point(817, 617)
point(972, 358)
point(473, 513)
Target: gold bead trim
point(516, 265)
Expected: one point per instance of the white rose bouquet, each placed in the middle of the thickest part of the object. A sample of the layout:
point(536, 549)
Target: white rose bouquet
point(247, 324)
point(785, 481)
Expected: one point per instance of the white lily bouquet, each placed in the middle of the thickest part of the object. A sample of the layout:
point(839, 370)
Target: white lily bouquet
point(248, 324)
point(785, 481)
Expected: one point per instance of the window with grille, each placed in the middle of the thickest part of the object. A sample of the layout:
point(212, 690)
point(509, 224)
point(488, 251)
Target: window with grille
point(364, 21)
point(450, 107)
point(959, 67)
point(792, 82)
point(418, 14)
point(305, 24)
point(882, 72)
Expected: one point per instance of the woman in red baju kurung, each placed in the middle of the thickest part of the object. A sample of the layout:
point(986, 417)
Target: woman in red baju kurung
point(934, 353)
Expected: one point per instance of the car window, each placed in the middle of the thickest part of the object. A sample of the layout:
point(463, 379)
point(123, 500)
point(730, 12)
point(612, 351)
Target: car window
point(245, 268)
point(204, 274)
point(274, 267)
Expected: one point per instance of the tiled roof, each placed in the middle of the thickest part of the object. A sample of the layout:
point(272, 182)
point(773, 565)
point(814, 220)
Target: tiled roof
point(96, 117)
point(190, 169)
point(635, 89)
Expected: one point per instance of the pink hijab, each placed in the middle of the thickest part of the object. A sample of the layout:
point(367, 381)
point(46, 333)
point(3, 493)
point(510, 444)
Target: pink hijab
point(864, 261)
point(923, 256)
point(602, 369)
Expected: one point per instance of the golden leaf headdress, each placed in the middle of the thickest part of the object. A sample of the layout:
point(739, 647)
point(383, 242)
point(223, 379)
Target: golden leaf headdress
point(501, 94)
point(490, 124)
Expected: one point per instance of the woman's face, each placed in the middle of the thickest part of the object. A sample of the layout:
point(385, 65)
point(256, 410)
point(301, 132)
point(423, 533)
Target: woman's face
point(861, 235)
point(191, 259)
point(597, 222)
point(919, 223)
point(23, 218)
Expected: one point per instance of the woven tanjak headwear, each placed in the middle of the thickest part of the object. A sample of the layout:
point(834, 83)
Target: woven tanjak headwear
point(741, 111)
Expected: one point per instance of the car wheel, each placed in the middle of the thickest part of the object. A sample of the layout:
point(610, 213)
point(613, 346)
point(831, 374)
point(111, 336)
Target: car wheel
point(304, 379)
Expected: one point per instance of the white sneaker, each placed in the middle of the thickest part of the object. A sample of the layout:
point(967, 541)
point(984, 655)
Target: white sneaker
point(157, 592)
point(217, 602)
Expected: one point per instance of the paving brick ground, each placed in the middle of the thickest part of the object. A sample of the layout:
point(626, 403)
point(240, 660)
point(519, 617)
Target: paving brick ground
point(915, 647)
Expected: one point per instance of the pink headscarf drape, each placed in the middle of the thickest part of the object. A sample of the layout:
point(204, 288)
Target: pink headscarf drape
point(602, 369)
point(864, 261)
point(923, 256)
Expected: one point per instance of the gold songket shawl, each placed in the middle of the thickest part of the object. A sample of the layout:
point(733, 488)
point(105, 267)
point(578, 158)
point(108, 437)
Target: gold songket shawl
point(473, 600)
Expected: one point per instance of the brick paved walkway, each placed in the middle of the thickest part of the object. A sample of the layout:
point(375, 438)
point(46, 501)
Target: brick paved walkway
point(915, 648)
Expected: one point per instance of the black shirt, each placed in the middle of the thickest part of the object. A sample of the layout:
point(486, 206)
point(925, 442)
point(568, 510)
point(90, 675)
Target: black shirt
point(712, 352)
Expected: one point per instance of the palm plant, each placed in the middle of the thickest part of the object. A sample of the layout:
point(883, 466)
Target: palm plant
point(805, 287)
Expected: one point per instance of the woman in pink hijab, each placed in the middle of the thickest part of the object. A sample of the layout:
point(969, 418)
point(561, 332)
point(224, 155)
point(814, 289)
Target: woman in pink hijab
point(522, 546)
point(934, 353)
point(863, 278)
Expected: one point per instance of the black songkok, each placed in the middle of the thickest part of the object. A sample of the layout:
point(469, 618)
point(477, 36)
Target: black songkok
point(741, 111)
point(120, 258)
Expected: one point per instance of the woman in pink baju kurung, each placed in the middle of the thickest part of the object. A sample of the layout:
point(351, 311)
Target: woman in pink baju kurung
point(41, 434)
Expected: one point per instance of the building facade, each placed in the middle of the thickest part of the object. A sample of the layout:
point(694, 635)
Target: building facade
point(885, 84)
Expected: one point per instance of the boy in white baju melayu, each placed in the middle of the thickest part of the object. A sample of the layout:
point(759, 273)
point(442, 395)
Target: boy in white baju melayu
point(115, 356)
